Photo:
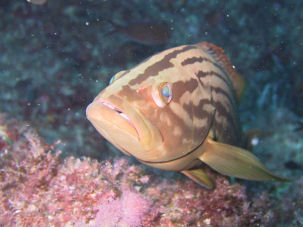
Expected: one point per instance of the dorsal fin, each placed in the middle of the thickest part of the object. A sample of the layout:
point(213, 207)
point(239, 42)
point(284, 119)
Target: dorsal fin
point(218, 54)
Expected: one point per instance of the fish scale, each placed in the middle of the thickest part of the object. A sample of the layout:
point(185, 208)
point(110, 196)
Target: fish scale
point(177, 111)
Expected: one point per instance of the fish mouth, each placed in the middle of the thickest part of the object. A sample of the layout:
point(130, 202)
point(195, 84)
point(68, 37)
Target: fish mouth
point(124, 126)
point(120, 112)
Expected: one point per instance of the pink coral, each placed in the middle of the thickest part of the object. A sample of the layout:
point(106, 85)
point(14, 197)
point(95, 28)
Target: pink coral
point(38, 189)
point(128, 210)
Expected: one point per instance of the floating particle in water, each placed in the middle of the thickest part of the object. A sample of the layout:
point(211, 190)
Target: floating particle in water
point(144, 32)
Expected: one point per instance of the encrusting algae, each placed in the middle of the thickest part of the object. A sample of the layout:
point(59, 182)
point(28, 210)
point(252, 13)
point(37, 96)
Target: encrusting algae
point(37, 188)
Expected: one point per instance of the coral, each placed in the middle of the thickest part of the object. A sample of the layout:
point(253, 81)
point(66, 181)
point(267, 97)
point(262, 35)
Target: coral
point(132, 207)
point(37, 188)
point(290, 209)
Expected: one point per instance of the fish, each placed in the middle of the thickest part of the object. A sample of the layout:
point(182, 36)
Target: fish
point(143, 32)
point(299, 127)
point(37, 2)
point(178, 111)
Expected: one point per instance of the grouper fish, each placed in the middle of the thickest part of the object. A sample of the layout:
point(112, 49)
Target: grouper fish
point(177, 110)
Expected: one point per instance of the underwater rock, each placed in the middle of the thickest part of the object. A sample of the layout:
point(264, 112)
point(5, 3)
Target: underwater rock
point(38, 188)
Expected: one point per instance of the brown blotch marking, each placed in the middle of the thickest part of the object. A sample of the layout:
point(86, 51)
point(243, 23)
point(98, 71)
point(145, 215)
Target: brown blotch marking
point(226, 94)
point(199, 111)
point(219, 90)
point(185, 133)
point(231, 132)
point(164, 63)
point(201, 74)
point(180, 87)
point(194, 111)
point(170, 139)
point(127, 92)
point(228, 133)
point(193, 60)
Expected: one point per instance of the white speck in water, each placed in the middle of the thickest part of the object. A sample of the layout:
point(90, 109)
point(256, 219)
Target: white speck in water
point(255, 141)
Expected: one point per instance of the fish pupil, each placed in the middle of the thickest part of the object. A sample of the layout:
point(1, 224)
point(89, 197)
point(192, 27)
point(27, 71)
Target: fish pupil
point(165, 91)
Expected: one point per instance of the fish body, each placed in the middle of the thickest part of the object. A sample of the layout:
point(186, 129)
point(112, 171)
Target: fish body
point(37, 2)
point(177, 110)
point(144, 32)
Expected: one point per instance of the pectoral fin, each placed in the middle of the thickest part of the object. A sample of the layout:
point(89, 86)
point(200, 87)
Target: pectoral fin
point(235, 162)
point(199, 176)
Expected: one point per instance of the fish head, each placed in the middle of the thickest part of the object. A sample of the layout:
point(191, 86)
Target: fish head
point(117, 114)
point(156, 117)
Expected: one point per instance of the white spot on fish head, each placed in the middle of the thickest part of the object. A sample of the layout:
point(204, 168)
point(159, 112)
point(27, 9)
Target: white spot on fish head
point(177, 131)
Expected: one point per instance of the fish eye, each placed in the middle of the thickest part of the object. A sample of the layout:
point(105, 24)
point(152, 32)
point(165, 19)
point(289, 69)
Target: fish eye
point(166, 92)
point(162, 94)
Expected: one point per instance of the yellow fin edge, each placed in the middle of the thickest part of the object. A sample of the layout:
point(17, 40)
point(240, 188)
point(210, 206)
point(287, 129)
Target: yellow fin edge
point(200, 177)
point(235, 162)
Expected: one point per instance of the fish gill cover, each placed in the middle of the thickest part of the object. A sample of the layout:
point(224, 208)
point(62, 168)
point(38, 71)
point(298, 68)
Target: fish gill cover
point(57, 55)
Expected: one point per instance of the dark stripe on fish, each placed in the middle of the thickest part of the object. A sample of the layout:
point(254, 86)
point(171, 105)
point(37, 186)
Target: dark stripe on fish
point(180, 87)
point(202, 74)
point(191, 151)
point(219, 90)
point(199, 110)
point(193, 60)
point(221, 111)
point(154, 69)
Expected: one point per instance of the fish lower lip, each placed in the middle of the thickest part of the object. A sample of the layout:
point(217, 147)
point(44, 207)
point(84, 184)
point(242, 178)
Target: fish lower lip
point(123, 115)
